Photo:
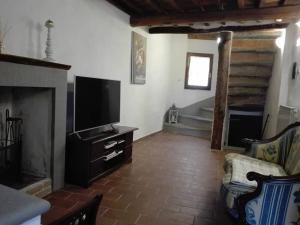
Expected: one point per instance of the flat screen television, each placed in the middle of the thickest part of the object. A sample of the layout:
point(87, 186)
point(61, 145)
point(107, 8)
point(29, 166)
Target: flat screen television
point(97, 102)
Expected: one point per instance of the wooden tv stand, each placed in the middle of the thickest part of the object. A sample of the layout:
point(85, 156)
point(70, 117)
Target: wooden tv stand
point(93, 156)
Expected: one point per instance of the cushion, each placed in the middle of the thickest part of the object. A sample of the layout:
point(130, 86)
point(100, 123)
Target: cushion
point(269, 152)
point(240, 168)
point(292, 165)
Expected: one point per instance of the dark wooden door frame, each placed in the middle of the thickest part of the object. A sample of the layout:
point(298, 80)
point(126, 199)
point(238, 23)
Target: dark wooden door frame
point(221, 89)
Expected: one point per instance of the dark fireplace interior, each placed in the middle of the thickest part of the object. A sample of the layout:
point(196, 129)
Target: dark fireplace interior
point(244, 122)
point(26, 132)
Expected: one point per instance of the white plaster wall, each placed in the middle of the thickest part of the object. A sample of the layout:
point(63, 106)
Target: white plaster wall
point(180, 45)
point(294, 85)
point(283, 90)
point(95, 38)
point(272, 97)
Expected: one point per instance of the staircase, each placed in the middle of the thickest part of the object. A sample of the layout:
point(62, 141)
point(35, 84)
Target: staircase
point(194, 120)
point(251, 66)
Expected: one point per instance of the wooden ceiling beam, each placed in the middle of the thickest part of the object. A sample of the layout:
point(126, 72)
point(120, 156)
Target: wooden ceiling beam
point(284, 12)
point(204, 36)
point(126, 6)
point(174, 5)
point(190, 30)
point(261, 3)
point(197, 3)
point(282, 2)
point(155, 6)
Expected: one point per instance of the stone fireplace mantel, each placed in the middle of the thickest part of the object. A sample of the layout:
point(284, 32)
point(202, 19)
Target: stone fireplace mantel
point(16, 71)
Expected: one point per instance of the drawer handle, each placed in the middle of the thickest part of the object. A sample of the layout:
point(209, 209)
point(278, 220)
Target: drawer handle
point(110, 145)
point(112, 155)
point(121, 141)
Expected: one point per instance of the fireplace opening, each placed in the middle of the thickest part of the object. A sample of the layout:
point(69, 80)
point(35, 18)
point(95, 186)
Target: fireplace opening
point(26, 134)
point(11, 150)
point(244, 122)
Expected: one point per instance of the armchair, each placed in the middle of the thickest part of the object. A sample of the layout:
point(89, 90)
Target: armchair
point(280, 153)
point(276, 201)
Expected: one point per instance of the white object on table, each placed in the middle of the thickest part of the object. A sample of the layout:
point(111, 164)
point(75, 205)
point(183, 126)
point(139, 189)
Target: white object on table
point(49, 52)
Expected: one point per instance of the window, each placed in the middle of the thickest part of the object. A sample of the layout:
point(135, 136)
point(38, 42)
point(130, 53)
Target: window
point(198, 71)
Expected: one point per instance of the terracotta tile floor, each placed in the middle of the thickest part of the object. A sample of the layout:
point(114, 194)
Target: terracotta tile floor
point(171, 180)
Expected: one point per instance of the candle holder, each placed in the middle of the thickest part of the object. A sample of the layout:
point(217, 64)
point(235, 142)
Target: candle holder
point(173, 114)
point(49, 51)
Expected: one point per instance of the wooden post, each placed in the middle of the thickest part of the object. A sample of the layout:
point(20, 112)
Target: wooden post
point(221, 89)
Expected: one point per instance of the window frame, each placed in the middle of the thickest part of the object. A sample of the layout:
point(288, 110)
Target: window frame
point(195, 87)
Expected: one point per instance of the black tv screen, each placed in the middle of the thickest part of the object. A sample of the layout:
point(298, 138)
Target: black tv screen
point(97, 102)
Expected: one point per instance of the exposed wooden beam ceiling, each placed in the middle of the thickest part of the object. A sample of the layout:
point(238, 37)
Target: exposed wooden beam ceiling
point(190, 30)
point(254, 34)
point(261, 3)
point(284, 12)
point(241, 4)
point(204, 36)
point(152, 4)
point(198, 3)
point(282, 2)
point(174, 5)
point(127, 6)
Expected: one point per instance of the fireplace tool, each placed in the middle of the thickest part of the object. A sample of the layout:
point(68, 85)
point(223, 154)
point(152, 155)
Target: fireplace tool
point(11, 148)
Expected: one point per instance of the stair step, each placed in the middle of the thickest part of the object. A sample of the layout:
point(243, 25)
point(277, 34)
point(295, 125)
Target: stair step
point(209, 109)
point(199, 118)
point(263, 51)
point(184, 126)
point(250, 44)
point(252, 57)
point(257, 64)
point(246, 100)
point(240, 80)
point(183, 129)
point(254, 85)
point(258, 34)
point(251, 75)
point(256, 71)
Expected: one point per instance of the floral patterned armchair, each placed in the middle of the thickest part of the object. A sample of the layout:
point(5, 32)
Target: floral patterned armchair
point(281, 152)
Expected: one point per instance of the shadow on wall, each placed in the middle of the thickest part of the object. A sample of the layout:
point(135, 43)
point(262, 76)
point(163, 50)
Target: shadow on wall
point(34, 45)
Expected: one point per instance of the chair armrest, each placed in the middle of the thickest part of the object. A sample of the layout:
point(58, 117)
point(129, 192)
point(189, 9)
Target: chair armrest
point(251, 203)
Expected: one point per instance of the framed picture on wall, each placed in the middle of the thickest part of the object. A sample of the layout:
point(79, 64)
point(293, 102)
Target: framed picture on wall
point(138, 60)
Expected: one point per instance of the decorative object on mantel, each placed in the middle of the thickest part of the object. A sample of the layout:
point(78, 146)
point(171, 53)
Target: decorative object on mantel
point(173, 114)
point(4, 29)
point(138, 67)
point(49, 52)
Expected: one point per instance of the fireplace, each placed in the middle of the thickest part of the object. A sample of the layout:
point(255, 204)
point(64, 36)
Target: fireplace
point(26, 130)
point(33, 92)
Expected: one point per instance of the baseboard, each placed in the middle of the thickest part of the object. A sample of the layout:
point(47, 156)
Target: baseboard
point(147, 136)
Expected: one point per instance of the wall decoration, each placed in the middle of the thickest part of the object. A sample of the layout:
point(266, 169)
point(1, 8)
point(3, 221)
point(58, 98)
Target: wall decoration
point(138, 68)
point(49, 52)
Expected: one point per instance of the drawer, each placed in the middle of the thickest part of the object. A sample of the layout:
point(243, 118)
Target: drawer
point(110, 159)
point(100, 148)
point(97, 167)
point(125, 140)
